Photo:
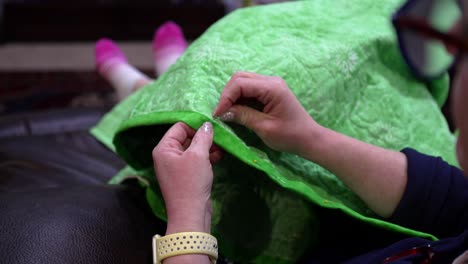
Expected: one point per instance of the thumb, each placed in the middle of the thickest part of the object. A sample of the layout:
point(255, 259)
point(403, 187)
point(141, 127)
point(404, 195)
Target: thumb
point(203, 139)
point(245, 116)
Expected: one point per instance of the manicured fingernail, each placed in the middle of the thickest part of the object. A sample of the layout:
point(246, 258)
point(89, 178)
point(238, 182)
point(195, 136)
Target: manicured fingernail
point(207, 127)
point(228, 116)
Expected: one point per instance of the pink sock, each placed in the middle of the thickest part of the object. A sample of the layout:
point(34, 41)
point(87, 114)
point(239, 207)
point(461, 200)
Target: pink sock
point(112, 64)
point(168, 45)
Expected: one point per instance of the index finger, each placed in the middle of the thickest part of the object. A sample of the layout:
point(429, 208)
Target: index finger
point(176, 136)
point(243, 85)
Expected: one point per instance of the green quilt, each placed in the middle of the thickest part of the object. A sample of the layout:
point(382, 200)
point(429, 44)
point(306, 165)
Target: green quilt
point(341, 60)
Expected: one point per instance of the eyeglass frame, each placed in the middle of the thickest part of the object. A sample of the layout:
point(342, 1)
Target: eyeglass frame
point(427, 252)
point(402, 22)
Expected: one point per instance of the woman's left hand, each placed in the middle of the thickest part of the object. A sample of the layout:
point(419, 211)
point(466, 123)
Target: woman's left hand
point(182, 161)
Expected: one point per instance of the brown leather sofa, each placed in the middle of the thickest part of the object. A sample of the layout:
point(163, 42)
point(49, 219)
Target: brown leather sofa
point(55, 203)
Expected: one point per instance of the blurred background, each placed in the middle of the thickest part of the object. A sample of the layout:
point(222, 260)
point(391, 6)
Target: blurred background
point(47, 46)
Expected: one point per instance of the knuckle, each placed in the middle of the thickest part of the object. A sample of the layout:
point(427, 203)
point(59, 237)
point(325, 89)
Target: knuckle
point(237, 75)
point(238, 81)
point(193, 155)
point(268, 128)
point(159, 155)
point(155, 152)
point(244, 119)
point(278, 81)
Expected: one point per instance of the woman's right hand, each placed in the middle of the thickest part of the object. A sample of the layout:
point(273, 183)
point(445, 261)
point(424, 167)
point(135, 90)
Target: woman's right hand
point(377, 175)
point(283, 124)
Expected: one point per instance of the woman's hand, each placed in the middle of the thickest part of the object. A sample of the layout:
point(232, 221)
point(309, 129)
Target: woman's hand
point(182, 161)
point(377, 175)
point(283, 124)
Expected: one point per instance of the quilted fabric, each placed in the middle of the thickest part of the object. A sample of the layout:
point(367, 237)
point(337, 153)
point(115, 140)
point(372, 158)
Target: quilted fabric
point(340, 58)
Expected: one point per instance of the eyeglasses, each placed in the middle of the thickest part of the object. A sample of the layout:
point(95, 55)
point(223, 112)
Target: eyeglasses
point(425, 32)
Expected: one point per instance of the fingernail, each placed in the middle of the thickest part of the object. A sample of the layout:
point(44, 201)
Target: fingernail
point(228, 116)
point(207, 127)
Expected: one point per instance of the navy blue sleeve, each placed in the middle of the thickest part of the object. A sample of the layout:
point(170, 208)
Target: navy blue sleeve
point(436, 197)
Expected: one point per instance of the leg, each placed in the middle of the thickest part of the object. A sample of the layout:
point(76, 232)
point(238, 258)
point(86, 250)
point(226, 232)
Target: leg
point(168, 45)
point(112, 64)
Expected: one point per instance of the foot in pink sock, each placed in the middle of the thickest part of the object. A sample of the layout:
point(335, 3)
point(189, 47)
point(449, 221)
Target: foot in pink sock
point(107, 54)
point(112, 64)
point(168, 45)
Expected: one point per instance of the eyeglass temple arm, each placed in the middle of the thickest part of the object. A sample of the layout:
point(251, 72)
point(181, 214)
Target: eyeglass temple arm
point(423, 28)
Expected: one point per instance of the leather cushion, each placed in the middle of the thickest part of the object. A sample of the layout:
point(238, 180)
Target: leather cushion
point(55, 203)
